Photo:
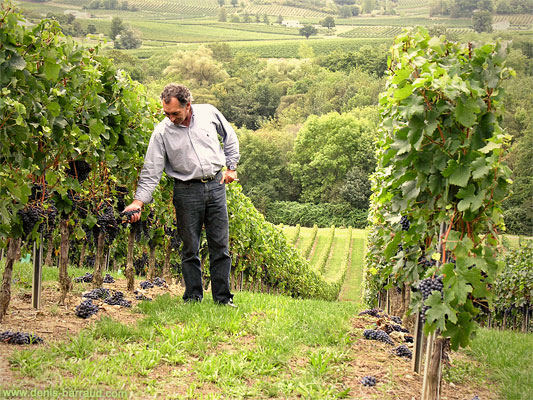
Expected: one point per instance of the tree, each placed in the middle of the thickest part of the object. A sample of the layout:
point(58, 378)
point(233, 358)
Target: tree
point(263, 168)
point(222, 15)
point(128, 39)
point(91, 29)
point(117, 27)
point(326, 149)
point(482, 21)
point(328, 22)
point(279, 20)
point(265, 19)
point(235, 18)
point(307, 31)
point(357, 188)
point(368, 6)
point(197, 66)
point(234, 3)
point(221, 3)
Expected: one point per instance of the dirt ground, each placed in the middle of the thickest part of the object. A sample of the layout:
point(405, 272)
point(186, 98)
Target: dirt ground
point(368, 357)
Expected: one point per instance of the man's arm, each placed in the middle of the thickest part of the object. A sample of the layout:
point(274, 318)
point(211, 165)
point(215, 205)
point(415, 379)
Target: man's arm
point(229, 139)
point(154, 163)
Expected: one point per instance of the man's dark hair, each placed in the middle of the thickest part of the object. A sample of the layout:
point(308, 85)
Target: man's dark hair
point(180, 92)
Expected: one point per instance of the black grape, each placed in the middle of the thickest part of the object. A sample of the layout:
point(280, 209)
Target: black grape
point(378, 335)
point(10, 337)
point(86, 308)
point(368, 381)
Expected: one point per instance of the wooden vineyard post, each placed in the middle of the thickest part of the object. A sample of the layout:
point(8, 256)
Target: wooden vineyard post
point(130, 271)
point(107, 258)
point(525, 318)
point(37, 273)
point(435, 344)
point(1, 253)
point(418, 350)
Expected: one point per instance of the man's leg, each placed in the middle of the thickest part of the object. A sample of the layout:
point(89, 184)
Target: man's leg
point(190, 207)
point(217, 229)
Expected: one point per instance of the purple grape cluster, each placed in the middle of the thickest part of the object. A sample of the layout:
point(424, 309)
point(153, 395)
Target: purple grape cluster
point(396, 319)
point(159, 282)
point(109, 279)
point(86, 308)
point(88, 277)
point(368, 381)
point(79, 169)
point(10, 337)
point(118, 300)
point(30, 215)
point(374, 312)
point(98, 293)
point(107, 223)
point(428, 286)
point(378, 335)
point(129, 214)
point(403, 351)
point(399, 328)
point(404, 222)
point(142, 297)
point(146, 285)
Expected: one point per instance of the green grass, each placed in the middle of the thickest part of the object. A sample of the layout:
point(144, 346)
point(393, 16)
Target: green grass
point(333, 271)
point(322, 238)
point(272, 346)
point(506, 357)
point(352, 289)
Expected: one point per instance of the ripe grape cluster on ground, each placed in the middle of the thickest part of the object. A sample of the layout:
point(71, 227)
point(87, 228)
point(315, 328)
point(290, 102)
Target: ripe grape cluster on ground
point(118, 300)
point(86, 308)
point(368, 381)
point(10, 337)
point(380, 336)
point(403, 351)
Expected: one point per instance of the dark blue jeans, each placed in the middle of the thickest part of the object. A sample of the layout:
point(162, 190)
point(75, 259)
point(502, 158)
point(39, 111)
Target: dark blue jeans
point(204, 204)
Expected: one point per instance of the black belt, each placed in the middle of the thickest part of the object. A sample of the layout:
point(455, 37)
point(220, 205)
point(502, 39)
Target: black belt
point(202, 180)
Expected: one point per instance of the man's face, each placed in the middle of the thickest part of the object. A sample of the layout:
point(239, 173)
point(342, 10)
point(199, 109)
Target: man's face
point(175, 111)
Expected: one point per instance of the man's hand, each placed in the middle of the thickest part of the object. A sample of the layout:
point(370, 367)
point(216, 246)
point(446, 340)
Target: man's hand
point(229, 176)
point(135, 207)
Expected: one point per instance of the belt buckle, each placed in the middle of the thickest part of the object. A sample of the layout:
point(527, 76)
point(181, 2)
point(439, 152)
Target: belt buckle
point(205, 180)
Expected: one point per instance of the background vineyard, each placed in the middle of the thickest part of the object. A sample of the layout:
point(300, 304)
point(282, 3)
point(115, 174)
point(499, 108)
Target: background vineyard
point(344, 260)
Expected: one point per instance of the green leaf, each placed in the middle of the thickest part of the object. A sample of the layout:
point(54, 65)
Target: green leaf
point(460, 176)
point(489, 147)
point(51, 177)
point(51, 70)
point(404, 92)
point(480, 168)
point(17, 62)
point(466, 111)
point(439, 310)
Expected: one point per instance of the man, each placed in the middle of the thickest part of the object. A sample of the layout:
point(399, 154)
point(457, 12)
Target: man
point(186, 145)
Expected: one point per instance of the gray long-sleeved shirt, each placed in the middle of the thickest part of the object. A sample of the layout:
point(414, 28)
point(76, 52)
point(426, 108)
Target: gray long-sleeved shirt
point(188, 152)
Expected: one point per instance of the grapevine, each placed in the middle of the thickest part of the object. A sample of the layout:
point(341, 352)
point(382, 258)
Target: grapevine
point(440, 178)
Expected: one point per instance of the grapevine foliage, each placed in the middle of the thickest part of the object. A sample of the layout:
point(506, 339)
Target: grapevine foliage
point(440, 164)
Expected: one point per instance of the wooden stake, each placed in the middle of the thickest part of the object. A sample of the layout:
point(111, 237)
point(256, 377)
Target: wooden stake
point(130, 272)
point(37, 273)
point(418, 351)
